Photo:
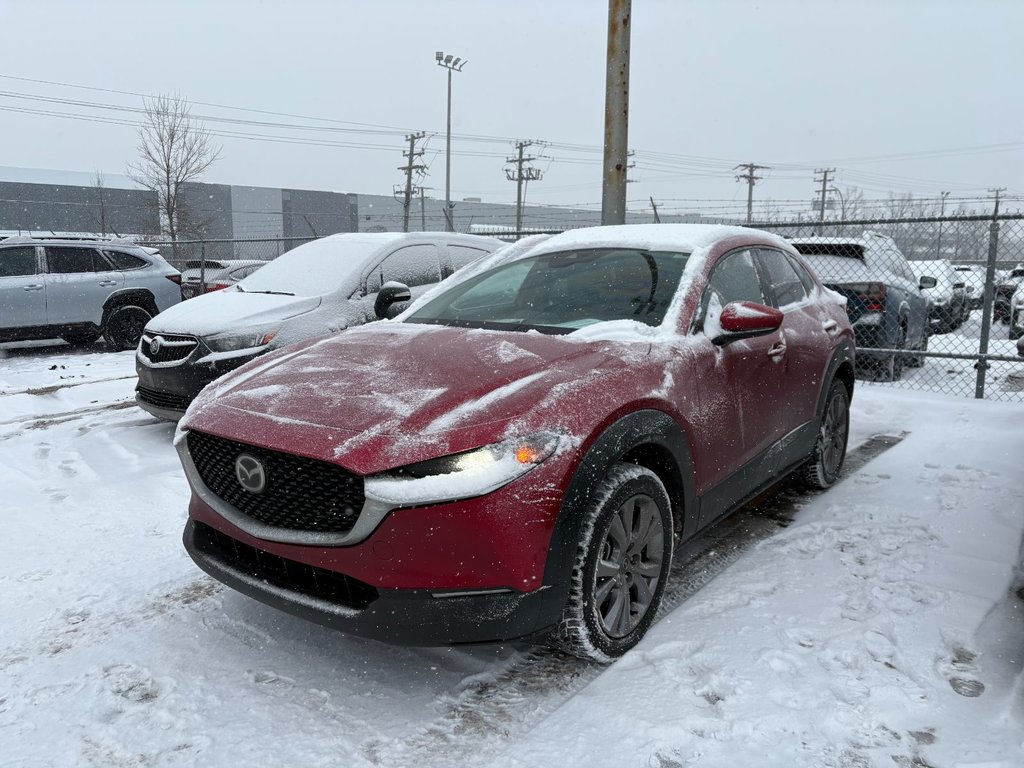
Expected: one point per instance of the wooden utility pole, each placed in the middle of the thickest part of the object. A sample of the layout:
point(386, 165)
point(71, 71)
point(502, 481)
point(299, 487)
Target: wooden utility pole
point(824, 191)
point(616, 113)
point(521, 174)
point(409, 167)
point(751, 179)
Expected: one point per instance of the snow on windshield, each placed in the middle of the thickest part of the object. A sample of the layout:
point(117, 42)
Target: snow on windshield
point(314, 268)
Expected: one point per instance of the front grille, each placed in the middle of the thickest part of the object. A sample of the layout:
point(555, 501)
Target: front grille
point(171, 347)
point(282, 572)
point(162, 399)
point(300, 494)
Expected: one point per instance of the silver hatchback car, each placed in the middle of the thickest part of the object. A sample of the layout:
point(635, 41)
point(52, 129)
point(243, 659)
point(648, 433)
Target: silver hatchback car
point(77, 290)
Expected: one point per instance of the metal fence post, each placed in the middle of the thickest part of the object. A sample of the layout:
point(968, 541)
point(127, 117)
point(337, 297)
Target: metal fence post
point(202, 268)
point(987, 305)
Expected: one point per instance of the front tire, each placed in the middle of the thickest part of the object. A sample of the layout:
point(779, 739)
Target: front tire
point(826, 461)
point(622, 563)
point(124, 327)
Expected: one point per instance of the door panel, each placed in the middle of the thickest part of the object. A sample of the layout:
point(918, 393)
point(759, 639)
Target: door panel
point(22, 289)
point(78, 282)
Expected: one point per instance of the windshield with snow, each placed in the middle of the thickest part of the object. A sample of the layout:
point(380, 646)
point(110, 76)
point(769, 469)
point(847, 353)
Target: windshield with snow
point(312, 269)
point(561, 292)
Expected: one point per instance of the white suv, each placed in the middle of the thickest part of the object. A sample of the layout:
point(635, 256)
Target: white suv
point(77, 290)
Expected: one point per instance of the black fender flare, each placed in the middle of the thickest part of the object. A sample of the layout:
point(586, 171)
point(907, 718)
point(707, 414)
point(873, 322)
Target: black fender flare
point(845, 353)
point(140, 297)
point(645, 437)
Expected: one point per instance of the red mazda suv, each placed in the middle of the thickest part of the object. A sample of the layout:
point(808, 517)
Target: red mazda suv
point(519, 454)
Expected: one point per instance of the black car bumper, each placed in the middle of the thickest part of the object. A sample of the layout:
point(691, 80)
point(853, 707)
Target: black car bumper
point(166, 392)
point(398, 616)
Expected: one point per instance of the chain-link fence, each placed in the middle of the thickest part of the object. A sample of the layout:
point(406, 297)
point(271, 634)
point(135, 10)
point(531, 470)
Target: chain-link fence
point(210, 265)
point(933, 301)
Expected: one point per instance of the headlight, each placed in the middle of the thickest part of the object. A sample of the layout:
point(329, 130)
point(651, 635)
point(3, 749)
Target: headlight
point(462, 475)
point(233, 341)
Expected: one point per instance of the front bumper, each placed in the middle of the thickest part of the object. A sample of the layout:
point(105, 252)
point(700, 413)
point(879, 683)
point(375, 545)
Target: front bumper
point(465, 571)
point(167, 390)
point(417, 617)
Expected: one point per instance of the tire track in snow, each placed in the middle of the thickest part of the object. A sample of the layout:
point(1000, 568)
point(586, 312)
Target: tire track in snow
point(51, 419)
point(52, 388)
point(82, 626)
point(493, 711)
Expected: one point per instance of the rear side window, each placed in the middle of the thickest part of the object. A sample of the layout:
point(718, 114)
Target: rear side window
point(70, 260)
point(413, 265)
point(122, 260)
point(15, 262)
point(783, 281)
point(462, 255)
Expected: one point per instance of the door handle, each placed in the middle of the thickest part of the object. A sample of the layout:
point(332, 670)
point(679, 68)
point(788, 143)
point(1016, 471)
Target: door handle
point(108, 283)
point(32, 287)
point(831, 327)
point(778, 349)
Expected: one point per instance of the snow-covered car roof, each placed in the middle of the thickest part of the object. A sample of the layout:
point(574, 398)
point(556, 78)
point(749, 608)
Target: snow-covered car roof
point(685, 238)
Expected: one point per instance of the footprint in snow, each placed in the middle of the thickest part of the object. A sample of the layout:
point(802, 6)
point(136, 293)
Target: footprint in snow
point(959, 669)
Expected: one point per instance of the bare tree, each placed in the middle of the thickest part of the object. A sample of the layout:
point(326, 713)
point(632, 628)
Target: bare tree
point(99, 188)
point(174, 149)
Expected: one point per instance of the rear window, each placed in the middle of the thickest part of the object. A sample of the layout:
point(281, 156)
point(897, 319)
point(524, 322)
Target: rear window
point(844, 250)
point(123, 260)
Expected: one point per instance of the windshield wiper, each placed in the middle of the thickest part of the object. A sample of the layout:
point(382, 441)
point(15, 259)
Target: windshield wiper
point(273, 293)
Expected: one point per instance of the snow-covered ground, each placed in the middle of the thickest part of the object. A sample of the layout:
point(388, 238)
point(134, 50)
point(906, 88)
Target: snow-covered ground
point(878, 624)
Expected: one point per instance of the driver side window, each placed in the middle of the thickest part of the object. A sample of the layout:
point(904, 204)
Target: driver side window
point(734, 278)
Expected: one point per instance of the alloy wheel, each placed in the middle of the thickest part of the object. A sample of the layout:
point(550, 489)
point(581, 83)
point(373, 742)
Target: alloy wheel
point(629, 566)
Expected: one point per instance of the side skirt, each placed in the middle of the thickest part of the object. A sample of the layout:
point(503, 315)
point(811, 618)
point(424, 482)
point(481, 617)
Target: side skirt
point(758, 475)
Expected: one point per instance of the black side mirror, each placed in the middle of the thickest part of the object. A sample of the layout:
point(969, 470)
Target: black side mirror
point(391, 293)
point(927, 282)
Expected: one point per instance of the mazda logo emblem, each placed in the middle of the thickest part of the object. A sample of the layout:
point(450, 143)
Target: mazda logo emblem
point(154, 345)
point(250, 473)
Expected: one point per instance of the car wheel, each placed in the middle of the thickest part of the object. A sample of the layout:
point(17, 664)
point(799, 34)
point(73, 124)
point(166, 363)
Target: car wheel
point(124, 327)
point(822, 470)
point(622, 564)
point(80, 339)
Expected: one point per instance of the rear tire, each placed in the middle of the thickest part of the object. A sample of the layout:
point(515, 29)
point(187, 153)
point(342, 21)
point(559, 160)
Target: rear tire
point(826, 462)
point(124, 327)
point(622, 563)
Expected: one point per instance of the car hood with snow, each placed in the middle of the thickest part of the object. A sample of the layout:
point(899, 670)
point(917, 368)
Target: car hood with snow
point(230, 310)
point(392, 393)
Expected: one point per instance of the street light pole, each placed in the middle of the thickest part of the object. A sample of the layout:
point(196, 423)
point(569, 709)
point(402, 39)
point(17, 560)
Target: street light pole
point(452, 64)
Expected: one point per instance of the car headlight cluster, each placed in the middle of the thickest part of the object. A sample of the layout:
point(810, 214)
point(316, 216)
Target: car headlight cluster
point(462, 475)
point(234, 341)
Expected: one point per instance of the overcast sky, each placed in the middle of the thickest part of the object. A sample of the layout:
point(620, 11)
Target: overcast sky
point(914, 96)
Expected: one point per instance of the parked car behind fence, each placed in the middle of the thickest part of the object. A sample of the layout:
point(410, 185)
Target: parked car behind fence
point(885, 302)
point(947, 299)
point(207, 275)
